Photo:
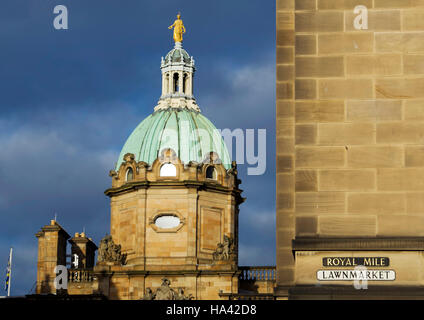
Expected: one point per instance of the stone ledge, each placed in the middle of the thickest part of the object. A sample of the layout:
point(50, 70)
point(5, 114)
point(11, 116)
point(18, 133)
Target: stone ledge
point(170, 273)
point(209, 186)
point(349, 293)
point(358, 244)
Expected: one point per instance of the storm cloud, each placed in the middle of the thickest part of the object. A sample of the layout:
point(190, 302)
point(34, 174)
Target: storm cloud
point(70, 98)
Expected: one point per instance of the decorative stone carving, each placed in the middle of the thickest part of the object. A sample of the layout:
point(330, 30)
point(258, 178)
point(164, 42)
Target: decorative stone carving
point(149, 294)
point(233, 171)
point(168, 156)
point(177, 103)
point(110, 252)
point(165, 292)
point(180, 295)
point(212, 158)
point(129, 157)
point(113, 174)
point(225, 250)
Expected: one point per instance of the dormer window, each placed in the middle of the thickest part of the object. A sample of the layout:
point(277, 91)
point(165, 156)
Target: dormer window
point(168, 170)
point(129, 175)
point(211, 173)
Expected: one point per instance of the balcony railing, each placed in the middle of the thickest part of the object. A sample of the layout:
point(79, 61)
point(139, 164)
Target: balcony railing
point(80, 275)
point(257, 273)
point(247, 296)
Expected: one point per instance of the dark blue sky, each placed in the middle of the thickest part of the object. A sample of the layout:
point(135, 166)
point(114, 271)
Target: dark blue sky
point(70, 98)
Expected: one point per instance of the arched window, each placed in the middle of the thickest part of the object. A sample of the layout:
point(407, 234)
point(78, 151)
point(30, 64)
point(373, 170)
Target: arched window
point(211, 173)
point(129, 175)
point(176, 82)
point(185, 82)
point(168, 170)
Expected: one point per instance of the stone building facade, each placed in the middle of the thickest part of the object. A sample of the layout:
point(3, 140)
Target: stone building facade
point(197, 253)
point(174, 200)
point(52, 243)
point(350, 144)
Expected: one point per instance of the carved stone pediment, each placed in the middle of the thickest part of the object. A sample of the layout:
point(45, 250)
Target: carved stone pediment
point(165, 292)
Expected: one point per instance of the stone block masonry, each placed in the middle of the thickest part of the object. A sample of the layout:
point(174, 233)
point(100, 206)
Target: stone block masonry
point(350, 122)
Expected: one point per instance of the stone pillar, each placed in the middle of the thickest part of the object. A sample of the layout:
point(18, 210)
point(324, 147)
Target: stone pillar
point(171, 82)
point(85, 249)
point(350, 160)
point(166, 80)
point(192, 222)
point(51, 253)
point(285, 145)
point(190, 84)
point(180, 82)
point(163, 84)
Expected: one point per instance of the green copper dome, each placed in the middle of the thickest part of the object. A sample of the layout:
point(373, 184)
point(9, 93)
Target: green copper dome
point(190, 134)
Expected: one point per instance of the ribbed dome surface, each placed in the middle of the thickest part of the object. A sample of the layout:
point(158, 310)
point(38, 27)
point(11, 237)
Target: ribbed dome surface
point(176, 54)
point(190, 134)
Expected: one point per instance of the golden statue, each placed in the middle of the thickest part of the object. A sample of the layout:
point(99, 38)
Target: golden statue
point(179, 29)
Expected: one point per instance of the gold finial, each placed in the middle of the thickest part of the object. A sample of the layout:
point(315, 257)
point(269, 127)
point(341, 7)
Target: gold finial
point(179, 29)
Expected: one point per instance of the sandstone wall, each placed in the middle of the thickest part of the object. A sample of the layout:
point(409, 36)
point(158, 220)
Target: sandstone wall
point(350, 122)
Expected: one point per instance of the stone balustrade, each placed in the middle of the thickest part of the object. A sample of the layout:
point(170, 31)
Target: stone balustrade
point(80, 275)
point(257, 273)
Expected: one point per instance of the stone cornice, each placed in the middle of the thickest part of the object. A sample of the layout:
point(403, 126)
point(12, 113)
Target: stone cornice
point(135, 185)
point(177, 101)
point(85, 240)
point(166, 272)
point(53, 228)
point(359, 244)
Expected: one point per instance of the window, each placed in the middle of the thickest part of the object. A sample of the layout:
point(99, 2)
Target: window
point(129, 175)
point(185, 82)
point(211, 173)
point(167, 221)
point(176, 82)
point(168, 170)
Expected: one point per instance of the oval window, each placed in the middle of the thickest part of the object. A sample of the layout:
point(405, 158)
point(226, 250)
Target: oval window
point(168, 170)
point(167, 222)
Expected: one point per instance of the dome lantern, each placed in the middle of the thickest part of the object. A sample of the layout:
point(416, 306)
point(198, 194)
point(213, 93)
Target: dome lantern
point(177, 80)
